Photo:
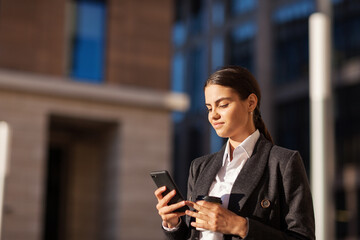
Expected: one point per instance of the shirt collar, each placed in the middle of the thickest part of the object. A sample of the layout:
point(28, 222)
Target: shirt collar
point(246, 146)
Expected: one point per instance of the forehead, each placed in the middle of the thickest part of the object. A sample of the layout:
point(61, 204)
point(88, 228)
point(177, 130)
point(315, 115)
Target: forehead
point(216, 92)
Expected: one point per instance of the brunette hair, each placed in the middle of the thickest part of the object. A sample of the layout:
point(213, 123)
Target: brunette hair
point(244, 83)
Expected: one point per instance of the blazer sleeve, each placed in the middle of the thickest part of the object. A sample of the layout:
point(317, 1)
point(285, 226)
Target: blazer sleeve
point(296, 206)
point(180, 234)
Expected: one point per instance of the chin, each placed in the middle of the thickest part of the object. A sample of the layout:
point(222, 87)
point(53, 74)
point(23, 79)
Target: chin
point(222, 135)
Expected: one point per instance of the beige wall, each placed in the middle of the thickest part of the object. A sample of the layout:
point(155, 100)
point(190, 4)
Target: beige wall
point(35, 40)
point(144, 144)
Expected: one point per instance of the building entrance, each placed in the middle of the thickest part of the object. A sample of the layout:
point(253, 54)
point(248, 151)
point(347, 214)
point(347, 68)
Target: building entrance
point(80, 178)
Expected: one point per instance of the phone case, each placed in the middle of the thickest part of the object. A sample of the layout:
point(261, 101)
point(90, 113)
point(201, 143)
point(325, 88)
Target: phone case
point(163, 178)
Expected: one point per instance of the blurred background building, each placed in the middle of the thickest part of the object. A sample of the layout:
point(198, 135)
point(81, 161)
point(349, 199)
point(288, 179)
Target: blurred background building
point(85, 88)
point(88, 88)
point(270, 38)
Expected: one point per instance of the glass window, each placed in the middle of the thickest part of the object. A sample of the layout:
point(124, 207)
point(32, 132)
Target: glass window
point(89, 41)
point(197, 76)
point(347, 137)
point(293, 116)
point(293, 11)
point(179, 10)
point(178, 77)
point(218, 13)
point(346, 31)
point(179, 34)
point(336, 1)
point(291, 42)
point(291, 53)
point(241, 45)
point(217, 53)
point(197, 16)
point(347, 125)
point(342, 214)
point(242, 6)
point(244, 32)
point(178, 72)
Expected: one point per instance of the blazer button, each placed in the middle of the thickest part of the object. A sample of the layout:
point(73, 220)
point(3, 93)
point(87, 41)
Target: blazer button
point(265, 203)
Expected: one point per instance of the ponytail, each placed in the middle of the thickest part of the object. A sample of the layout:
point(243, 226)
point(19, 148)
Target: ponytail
point(259, 124)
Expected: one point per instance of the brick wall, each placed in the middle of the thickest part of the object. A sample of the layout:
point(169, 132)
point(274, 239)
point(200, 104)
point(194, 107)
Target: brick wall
point(139, 43)
point(32, 36)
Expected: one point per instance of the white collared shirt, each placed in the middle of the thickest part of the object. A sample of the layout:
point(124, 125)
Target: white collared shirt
point(225, 178)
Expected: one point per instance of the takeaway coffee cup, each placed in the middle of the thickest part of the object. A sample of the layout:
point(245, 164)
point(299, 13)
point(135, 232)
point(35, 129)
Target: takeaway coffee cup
point(207, 199)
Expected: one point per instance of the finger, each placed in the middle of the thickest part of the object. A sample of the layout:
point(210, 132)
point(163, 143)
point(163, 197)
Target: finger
point(158, 193)
point(190, 203)
point(166, 199)
point(197, 206)
point(198, 215)
point(169, 217)
point(208, 207)
point(165, 202)
point(172, 208)
point(202, 225)
point(206, 204)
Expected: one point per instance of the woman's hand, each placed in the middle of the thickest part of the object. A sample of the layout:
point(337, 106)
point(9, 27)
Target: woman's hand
point(167, 214)
point(217, 219)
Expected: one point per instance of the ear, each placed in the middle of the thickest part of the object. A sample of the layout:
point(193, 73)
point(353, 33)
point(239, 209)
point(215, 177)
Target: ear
point(252, 102)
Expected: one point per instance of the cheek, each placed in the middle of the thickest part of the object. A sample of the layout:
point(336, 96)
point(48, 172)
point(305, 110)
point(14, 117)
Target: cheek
point(238, 117)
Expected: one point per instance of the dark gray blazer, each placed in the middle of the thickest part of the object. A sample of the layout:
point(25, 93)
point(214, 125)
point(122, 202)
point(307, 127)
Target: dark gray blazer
point(272, 191)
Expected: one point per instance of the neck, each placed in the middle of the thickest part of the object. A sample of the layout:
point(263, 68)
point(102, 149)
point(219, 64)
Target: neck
point(236, 141)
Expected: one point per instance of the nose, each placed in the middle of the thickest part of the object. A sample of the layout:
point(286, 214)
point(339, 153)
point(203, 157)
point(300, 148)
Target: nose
point(214, 115)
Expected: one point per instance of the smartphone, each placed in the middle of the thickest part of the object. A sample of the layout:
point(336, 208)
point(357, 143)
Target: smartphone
point(163, 178)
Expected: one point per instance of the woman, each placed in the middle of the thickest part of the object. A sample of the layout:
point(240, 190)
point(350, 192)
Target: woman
point(264, 188)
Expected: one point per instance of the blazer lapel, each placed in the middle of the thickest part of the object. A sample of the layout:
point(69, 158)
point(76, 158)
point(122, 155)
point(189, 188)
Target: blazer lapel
point(250, 175)
point(208, 174)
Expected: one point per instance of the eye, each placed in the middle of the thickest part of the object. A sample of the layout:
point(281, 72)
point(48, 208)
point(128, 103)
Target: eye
point(208, 109)
point(224, 105)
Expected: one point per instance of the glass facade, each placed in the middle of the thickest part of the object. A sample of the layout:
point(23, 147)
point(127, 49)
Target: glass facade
point(218, 13)
point(347, 188)
point(346, 31)
point(240, 7)
point(241, 45)
point(197, 17)
point(210, 34)
point(89, 41)
point(292, 116)
point(291, 41)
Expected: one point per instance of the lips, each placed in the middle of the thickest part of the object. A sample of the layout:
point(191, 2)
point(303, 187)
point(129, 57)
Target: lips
point(218, 124)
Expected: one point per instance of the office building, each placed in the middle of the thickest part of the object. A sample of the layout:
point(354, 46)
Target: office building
point(270, 38)
point(84, 86)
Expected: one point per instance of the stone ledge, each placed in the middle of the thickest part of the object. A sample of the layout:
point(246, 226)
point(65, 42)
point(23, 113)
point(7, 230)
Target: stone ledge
point(66, 88)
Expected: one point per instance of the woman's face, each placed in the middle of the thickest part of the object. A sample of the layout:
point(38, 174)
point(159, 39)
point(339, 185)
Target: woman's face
point(230, 116)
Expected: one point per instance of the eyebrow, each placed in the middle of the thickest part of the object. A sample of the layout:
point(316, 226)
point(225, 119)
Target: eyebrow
point(219, 100)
